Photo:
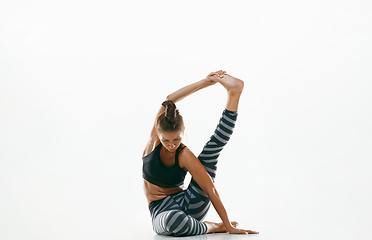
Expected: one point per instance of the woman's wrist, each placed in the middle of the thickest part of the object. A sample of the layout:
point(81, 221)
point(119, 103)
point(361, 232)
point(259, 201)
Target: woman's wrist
point(201, 84)
point(228, 226)
point(206, 82)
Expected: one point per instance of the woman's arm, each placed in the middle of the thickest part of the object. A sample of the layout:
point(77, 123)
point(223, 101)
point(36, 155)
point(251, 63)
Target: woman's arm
point(192, 88)
point(188, 161)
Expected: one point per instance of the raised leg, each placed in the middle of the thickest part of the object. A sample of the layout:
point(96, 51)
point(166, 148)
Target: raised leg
point(198, 202)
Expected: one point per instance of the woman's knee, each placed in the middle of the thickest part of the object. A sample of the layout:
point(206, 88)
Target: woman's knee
point(175, 221)
point(179, 223)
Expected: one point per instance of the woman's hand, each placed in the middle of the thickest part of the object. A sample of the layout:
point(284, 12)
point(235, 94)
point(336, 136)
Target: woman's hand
point(234, 230)
point(214, 77)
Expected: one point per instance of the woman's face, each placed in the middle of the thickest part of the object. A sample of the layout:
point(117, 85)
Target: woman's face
point(170, 140)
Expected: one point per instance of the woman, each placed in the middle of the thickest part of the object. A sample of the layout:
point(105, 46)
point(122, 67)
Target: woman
point(166, 161)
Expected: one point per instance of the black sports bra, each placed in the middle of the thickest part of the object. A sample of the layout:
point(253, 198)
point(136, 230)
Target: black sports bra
point(154, 171)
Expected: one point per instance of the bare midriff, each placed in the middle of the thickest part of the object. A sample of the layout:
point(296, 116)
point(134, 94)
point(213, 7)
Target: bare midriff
point(154, 192)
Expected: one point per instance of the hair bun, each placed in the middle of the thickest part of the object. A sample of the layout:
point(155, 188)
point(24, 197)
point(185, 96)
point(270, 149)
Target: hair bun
point(170, 109)
point(171, 120)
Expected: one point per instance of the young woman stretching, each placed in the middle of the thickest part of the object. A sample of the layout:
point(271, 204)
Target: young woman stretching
point(166, 161)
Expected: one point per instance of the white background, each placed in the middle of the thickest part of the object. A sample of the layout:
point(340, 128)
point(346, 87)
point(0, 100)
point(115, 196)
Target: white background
point(81, 82)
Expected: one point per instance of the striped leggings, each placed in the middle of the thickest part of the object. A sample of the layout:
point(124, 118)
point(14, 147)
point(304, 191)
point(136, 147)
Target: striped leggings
point(181, 214)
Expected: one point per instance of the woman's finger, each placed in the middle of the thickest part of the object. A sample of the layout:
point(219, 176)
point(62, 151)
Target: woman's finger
point(219, 73)
point(243, 231)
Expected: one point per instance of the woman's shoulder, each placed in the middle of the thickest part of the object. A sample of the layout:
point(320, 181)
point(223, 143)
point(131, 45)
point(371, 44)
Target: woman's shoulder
point(185, 155)
point(181, 147)
point(184, 151)
point(151, 145)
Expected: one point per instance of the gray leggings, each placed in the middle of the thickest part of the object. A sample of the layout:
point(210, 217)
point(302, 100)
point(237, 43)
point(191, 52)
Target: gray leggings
point(181, 214)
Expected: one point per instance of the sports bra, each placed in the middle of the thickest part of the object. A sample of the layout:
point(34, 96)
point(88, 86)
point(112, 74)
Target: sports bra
point(154, 171)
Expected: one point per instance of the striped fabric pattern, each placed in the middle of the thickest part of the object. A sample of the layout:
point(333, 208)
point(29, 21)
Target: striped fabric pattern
point(181, 214)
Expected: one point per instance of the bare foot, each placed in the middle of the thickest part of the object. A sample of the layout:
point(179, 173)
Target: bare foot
point(213, 227)
point(232, 84)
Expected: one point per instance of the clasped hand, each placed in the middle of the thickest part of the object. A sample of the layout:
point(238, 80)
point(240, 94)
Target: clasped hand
point(214, 77)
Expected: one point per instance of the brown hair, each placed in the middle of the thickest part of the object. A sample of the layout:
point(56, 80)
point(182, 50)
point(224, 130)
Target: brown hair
point(170, 120)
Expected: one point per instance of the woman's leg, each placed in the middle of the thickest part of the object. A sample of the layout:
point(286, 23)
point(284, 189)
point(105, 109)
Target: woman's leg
point(169, 218)
point(197, 204)
point(177, 223)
